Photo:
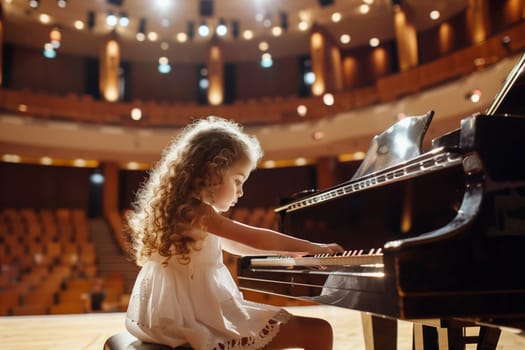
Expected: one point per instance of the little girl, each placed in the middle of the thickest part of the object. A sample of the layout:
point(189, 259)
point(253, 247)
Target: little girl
point(184, 294)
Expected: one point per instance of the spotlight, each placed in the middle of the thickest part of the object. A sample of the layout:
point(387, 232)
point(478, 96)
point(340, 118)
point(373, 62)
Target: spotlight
point(123, 20)
point(111, 19)
point(221, 28)
point(61, 3)
point(34, 4)
point(204, 30)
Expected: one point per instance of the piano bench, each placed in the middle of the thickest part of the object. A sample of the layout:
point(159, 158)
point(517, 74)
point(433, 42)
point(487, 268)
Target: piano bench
point(125, 341)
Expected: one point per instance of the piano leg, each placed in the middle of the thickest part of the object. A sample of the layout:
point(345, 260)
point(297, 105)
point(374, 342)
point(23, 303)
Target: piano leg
point(429, 338)
point(453, 335)
point(488, 338)
point(380, 333)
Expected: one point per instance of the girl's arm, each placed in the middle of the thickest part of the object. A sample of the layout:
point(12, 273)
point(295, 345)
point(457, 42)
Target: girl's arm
point(237, 248)
point(264, 239)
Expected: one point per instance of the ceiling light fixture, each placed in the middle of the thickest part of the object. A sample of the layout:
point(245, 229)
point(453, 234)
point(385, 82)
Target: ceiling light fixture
point(204, 30)
point(111, 19)
point(221, 29)
point(34, 4)
point(124, 19)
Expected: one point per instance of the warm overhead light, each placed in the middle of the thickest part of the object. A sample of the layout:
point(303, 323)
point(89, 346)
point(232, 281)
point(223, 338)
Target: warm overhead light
point(374, 42)
point(136, 114)
point(345, 39)
point(364, 9)
point(328, 99)
point(46, 161)
point(247, 34)
point(303, 25)
point(79, 25)
point(34, 4)
point(44, 18)
point(182, 37)
point(300, 161)
point(336, 17)
point(153, 36)
point(268, 164)
point(434, 15)
point(277, 31)
point(263, 46)
point(79, 162)
point(11, 158)
point(302, 110)
point(61, 3)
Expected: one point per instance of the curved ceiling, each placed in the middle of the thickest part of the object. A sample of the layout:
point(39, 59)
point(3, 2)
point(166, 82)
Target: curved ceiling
point(170, 17)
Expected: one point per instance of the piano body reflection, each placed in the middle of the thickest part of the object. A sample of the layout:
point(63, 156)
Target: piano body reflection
point(434, 236)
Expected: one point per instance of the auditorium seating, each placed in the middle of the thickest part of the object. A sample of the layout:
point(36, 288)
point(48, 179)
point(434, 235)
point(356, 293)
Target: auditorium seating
point(47, 262)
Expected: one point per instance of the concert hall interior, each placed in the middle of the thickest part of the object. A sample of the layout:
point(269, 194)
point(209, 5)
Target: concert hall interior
point(92, 91)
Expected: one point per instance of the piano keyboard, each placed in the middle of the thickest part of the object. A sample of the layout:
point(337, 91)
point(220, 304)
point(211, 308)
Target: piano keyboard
point(347, 258)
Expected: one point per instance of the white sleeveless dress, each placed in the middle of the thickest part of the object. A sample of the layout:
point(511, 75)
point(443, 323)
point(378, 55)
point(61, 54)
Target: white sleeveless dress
point(198, 304)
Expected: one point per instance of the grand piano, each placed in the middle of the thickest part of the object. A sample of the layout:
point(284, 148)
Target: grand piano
point(434, 237)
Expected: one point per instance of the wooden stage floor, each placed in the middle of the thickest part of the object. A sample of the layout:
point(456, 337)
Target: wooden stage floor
point(89, 331)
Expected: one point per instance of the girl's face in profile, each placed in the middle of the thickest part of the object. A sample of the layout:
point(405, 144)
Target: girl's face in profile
point(227, 193)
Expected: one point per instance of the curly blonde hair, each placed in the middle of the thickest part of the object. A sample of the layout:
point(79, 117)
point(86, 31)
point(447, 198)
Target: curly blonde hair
point(168, 213)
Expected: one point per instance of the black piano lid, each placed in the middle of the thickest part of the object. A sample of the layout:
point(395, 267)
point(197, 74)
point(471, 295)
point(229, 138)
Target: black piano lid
point(509, 99)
